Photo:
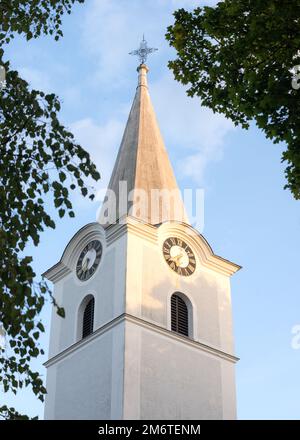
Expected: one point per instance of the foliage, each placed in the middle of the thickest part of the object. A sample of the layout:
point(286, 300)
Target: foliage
point(237, 57)
point(32, 18)
point(11, 414)
point(39, 160)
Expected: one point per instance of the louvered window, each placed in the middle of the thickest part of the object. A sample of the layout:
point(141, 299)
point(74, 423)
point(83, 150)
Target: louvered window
point(88, 318)
point(179, 315)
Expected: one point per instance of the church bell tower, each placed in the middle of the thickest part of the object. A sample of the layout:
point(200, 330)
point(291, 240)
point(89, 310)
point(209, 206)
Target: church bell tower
point(148, 327)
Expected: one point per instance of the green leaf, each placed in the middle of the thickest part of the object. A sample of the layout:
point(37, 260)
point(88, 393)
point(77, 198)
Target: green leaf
point(237, 56)
point(61, 312)
point(37, 155)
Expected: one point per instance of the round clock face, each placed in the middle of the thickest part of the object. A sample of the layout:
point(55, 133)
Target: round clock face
point(179, 256)
point(89, 260)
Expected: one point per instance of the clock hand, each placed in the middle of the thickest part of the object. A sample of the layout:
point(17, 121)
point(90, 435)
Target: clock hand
point(86, 264)
point(176, 259)
point(179, 259)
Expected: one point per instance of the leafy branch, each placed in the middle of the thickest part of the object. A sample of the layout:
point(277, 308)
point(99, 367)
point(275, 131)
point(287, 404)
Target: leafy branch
point(39, 161)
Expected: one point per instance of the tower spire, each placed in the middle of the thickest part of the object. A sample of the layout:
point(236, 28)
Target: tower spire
point(142, 183)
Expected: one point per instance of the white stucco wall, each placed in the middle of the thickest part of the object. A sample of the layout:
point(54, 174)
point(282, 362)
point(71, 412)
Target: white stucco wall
point(165, 378)
point(88, 382)
point(107, 286)
point(150, 284)
point(80, 384)
point(132, 366)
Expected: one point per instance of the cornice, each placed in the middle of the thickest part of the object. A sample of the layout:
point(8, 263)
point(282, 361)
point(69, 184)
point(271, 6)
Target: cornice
point(207, 256)
point(68, 259)
point(151, 233)
point(125, 317)
point(133, 225)
point(57, 272)
point(79, 344)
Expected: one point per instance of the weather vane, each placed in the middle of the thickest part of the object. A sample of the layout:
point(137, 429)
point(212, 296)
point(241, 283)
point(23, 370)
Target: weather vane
point(143, 51)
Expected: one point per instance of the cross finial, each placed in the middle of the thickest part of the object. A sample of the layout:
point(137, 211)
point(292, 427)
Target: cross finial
point(143, 51)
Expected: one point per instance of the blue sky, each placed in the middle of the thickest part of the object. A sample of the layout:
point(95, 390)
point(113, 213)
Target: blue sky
point(249, 218)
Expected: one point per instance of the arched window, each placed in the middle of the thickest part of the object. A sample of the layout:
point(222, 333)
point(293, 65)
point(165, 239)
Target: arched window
point(179, 315)
point(88, 318)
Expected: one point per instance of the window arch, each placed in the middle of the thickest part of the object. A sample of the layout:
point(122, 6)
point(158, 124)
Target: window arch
point(88, 318)
point(85, 317)
point(180, 314)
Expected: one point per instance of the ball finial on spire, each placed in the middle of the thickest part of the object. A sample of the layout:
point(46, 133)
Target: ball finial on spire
point(143, 51)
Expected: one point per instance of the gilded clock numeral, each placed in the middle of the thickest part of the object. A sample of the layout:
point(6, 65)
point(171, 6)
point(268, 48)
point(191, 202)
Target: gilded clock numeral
point(172, 265)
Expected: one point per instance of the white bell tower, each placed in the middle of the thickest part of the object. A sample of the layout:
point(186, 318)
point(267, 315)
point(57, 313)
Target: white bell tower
point(148, 327)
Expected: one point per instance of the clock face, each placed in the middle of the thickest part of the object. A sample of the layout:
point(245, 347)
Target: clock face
point(179, 256)
point(89, 260)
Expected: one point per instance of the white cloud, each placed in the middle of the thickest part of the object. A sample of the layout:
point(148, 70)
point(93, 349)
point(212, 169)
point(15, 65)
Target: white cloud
point(196, 131)
point(37, 79)
point(111, 29)
point(102, 142)
point(106, 36)
point(40, 79)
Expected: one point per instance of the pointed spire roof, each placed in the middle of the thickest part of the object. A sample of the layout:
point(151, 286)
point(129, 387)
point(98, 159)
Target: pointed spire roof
point(143, 183)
